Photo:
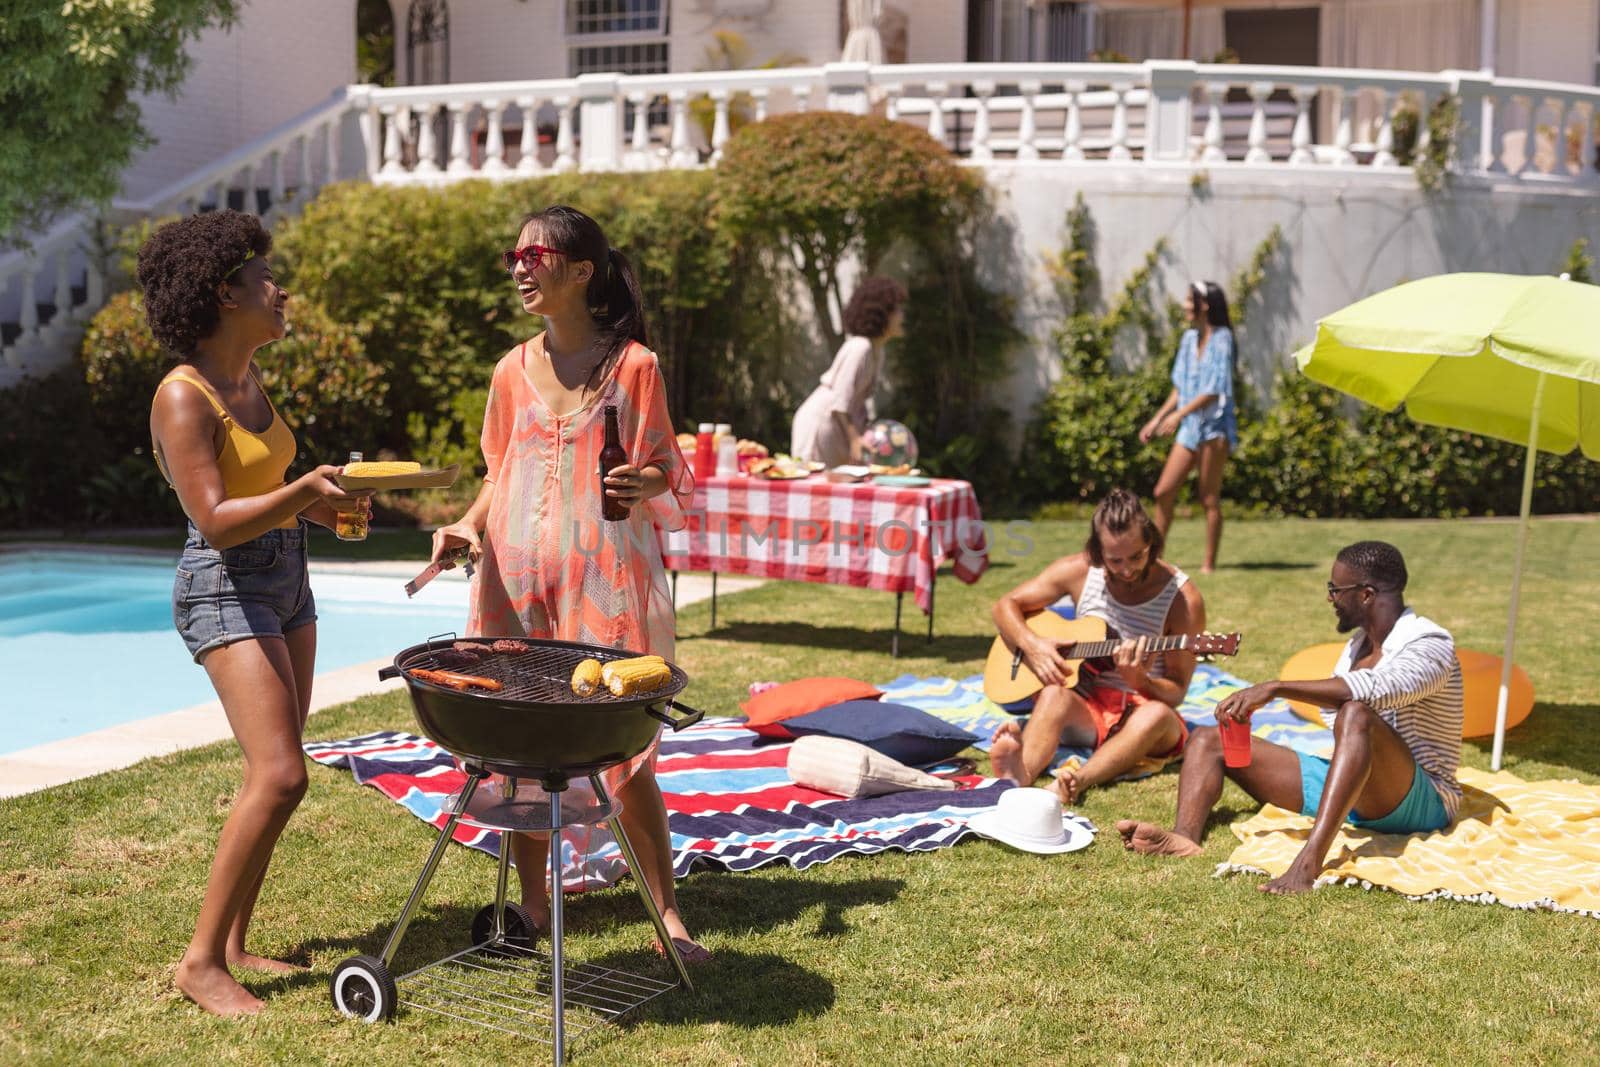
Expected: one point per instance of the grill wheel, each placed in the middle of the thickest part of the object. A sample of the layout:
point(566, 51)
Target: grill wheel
point(363, 988)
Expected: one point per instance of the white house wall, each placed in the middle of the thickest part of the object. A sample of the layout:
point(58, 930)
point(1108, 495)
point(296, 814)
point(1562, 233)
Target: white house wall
point(1550, 40)
point(1342, 241)
point(281, 58)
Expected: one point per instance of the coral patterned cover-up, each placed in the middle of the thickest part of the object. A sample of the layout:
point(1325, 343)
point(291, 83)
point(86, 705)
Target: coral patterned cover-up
point(551, 568)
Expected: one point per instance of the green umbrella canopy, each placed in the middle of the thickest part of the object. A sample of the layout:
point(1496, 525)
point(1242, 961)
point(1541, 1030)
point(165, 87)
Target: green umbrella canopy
point(1466, 351)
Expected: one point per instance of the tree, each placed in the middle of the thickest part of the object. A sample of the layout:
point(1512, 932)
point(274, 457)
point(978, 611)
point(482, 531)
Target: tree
point(825, 186)
point(68, 85)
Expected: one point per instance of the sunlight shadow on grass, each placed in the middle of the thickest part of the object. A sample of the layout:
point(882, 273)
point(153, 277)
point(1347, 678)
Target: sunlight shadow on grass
point(743, 989)
point(913, 638)
point(1562, 735)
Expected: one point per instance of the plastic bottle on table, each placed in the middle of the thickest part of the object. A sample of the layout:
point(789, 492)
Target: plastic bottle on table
point(705, 455)
point(727, 455)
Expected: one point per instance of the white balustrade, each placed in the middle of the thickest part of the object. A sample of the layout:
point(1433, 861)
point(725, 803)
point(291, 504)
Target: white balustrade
point(1119, 126)
point(528, 141)
point(1384, 155)
point(427, 140)
point(1072, 135)
point(494, 138)
point(980, 131)
point(566, 157)
point(719, 125)
point(460, 165)
point(683, 153)
point(993, 111)
point(1300, 153)
point(393, 144)
point(1027, 129)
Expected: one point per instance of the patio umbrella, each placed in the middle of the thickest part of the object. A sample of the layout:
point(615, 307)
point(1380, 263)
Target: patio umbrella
point(863, 44)
point(1504, 355)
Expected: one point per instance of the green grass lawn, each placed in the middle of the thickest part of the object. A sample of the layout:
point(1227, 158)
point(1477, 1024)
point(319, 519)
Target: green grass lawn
point(974, 954)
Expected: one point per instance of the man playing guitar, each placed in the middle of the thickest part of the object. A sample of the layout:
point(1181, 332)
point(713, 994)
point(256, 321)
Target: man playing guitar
point(1126, 714)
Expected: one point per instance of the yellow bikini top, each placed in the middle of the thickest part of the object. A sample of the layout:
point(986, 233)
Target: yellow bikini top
point(251, 463)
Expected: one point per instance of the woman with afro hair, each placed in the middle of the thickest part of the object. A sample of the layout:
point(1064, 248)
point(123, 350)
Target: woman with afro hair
point(242, 601)
point(829, 425)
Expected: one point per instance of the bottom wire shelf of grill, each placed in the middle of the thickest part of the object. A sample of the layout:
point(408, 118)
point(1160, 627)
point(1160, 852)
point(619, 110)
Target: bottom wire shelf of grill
point(507, 988)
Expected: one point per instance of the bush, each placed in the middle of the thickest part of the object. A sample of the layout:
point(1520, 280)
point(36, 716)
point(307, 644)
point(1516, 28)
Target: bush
point(826, 186)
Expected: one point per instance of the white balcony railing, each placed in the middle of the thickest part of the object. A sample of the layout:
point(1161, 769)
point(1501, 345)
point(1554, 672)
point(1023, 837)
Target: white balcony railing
point(1258, 119)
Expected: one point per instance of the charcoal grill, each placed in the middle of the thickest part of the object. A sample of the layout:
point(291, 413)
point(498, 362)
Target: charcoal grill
point(533, 729)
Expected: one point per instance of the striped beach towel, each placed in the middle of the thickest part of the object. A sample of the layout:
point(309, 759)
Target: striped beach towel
point(730, 804)
point(961, 702)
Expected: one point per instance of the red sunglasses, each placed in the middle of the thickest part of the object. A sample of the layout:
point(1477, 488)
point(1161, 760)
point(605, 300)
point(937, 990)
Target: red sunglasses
point(530, 256)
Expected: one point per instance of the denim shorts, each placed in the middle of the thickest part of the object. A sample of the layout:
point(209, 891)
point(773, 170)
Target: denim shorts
point(256, 589)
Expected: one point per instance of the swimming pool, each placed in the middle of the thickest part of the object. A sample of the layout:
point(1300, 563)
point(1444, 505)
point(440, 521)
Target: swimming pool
point(90, 642)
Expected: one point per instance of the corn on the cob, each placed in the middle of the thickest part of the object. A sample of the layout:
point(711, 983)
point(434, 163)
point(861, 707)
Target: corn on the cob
point(642, 674)
point(586, 678)
point(379, 469)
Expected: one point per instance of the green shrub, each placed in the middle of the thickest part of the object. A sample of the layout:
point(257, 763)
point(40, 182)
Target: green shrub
point(827, 186)
point(318, 377)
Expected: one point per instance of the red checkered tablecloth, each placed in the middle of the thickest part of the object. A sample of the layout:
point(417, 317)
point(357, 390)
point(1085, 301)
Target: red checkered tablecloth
point(854, 533)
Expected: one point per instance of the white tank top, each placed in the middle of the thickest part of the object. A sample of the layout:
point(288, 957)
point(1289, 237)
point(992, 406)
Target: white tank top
point(1148, 619)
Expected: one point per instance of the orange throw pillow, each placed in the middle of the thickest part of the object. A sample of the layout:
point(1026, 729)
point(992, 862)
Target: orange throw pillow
point(769, 709)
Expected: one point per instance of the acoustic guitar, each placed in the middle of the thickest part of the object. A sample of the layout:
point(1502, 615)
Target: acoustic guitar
point(1007, 679)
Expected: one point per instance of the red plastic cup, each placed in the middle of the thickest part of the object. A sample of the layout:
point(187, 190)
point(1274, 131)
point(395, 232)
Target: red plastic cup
point(1235, 742)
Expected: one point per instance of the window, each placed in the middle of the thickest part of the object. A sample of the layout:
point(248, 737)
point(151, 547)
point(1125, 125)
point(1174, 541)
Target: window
point(621, 58)
point(428, 42)
point(626, 36)
point(590, 18)
point(1020, 31)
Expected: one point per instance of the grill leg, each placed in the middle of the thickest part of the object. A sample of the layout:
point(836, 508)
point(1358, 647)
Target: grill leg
point(930, 612)
point(558, 1024)
point(713, 600)
point(391, 946)
point(614, 824)
point(503, 876)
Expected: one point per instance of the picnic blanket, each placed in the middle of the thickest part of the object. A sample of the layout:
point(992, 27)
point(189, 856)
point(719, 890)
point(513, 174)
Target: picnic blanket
point(730, 804)
point(962, 702)
point(1515, 843)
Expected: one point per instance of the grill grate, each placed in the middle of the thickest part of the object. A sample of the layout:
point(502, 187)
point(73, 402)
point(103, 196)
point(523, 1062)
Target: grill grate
point(541, 675)
point(507, 988)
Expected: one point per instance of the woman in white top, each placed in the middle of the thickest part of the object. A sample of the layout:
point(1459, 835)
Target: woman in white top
point(829, 425)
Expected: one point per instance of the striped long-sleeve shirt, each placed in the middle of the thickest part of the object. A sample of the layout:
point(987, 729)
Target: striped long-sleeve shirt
point(1416, 687)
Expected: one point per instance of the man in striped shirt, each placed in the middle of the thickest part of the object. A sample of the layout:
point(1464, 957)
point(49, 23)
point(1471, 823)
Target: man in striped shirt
point(1395, 700)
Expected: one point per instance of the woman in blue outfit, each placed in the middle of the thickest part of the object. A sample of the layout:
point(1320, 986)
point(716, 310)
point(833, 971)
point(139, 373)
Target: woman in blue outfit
point(1200, 412)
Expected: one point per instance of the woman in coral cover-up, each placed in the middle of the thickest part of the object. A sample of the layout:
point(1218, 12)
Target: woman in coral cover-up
point(548, 566)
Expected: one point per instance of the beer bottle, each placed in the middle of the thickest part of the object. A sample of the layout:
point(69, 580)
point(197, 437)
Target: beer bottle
point(612, 455)
point(351, 525)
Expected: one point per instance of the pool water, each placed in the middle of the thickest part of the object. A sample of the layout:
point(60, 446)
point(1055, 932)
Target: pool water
point(90, 643)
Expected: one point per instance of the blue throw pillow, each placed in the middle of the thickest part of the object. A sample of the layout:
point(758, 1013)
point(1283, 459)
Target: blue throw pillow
point(899, 731)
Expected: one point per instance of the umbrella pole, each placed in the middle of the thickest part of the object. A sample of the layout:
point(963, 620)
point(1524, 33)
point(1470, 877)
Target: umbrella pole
point(1516, 576)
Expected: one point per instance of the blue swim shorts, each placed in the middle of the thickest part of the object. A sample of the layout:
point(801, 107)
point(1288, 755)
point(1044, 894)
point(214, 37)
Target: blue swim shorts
point(258, 589)
point(1421, 812)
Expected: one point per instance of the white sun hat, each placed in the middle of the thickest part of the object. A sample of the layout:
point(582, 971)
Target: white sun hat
point(1032, 820)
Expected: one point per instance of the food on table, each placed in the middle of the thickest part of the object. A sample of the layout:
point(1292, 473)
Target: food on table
point(641, 674)
point(898, 468)
point(780, 466)
point(457, 681)
point(748, 447)
point(586, 680)
point(686, 443)
point(380, 468)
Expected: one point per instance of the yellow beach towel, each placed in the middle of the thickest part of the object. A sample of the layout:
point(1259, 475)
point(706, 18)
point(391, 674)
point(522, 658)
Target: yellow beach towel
point(1520, 844)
